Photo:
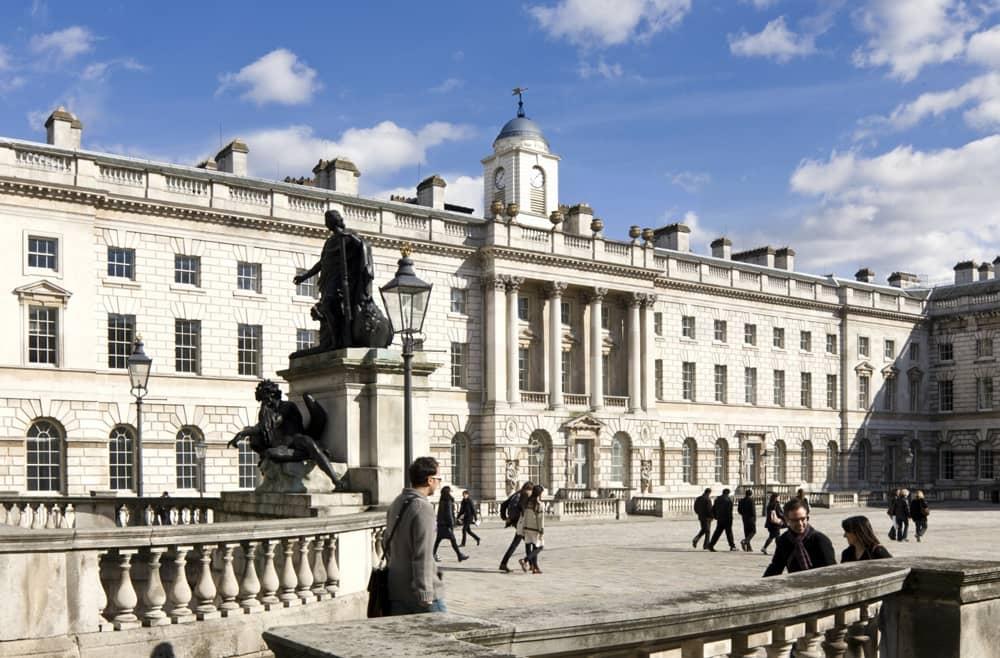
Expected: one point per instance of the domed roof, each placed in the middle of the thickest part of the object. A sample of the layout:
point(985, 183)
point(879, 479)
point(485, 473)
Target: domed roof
point(521, 127)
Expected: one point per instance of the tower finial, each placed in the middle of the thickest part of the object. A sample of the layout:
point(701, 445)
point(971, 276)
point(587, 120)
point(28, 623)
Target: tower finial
point(518, 91)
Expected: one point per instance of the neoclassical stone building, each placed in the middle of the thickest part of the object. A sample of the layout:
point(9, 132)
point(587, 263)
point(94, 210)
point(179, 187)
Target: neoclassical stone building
point(568, 357)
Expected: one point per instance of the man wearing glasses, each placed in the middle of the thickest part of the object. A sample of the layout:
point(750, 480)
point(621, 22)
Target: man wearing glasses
point(414, 582)
point(802, 547)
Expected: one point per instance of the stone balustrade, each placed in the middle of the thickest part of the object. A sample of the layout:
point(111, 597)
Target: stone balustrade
point(558, 509)
point(70, 585)
point(50, 512)
point(900, 608)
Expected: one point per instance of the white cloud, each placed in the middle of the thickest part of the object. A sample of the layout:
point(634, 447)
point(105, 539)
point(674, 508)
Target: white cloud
point(910, 210)
point(598, 23)
point(64, 44)
point(984, 47)
point(99, 70)
point(690, 181)
point(382, 149)
point(461, 190)
point(4, 59)
point(907, 35)
point(760, 4)
point(277, 77)
point(602, 69)
point(775, 40)
point(449, 84)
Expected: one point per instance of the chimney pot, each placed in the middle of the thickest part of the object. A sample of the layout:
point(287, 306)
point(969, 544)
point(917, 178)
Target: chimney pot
point(340, 175)
point(430, 192)
point(675, 236)
point(722, 248)
point(232, 158)
point(903, 280)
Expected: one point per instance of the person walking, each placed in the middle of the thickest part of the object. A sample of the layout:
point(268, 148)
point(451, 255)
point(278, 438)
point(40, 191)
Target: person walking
point(703, 508)
point(801, 495)
point(722, 510)
point(899, 511)
point(802, 547)
point(532, 524)
point(510, 512)
point(774, 521)
point(862, 544)
point(446, 524)
point(415, 585)
point(919, 511)
point(749, 515)
point(467, 517)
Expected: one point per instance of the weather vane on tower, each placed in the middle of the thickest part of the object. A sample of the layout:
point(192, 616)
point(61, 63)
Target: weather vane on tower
point(520, 101)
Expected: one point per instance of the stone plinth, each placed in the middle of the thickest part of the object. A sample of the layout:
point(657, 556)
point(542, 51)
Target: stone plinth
point(361, 390)
point(240, 505)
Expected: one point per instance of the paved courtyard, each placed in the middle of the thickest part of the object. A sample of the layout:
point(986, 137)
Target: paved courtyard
point(585, 562)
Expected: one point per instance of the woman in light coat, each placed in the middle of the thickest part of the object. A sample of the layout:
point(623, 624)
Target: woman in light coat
point(532, 526)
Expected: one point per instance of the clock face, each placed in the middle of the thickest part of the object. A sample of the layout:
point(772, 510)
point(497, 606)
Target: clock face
point(537, 178)
point(499, 178)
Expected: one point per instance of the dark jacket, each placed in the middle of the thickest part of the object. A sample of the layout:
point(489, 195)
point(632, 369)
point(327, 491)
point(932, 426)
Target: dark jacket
point(900, 509)
point(446, 515)
point(767, 516)
point(747, 511)
point(877, 553)
point(722, 510)
point(467, 512)
point(703, 507)
point(818, 546)
point(918, 508)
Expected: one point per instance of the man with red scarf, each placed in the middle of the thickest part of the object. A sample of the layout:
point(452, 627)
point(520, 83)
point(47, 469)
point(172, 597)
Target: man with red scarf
point(802, 547)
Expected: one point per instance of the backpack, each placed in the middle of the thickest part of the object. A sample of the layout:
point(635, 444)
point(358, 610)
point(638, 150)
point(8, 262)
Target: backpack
point(510, 511)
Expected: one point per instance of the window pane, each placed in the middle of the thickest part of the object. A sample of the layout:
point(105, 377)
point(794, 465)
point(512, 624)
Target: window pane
point(187, 269)
point(187, 459)
point(121, 262)
point(247, 466)
point(42, 336)
point(308, 287)
point(120, 459)
point(248, 349)
point(44, 457)
point(248, 276)
point(121, 333)
point(187, 342)
point(43, 253)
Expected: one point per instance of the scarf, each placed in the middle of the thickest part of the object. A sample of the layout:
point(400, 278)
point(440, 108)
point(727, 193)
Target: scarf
point(800, 555)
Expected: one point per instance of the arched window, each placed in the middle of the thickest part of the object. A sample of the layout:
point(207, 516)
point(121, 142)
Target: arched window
point(806, 465)
point(620, 462)
point(460, 460)
point(188, 472)
point(689, 461)
point(45, 456)
point(249, 476)
point(984, 461)
point(722, 461)
point(864, 460)
point(121, 458)
point(946, 458)
point(538, 458)
point(832, 465)
point(779, 461)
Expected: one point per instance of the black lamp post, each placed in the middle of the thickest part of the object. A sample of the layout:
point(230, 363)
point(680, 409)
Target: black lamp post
point(139, 366)
point(405, 299)
point(199, 451)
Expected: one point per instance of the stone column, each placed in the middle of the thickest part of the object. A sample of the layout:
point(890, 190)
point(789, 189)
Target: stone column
point(513, 379)
point(596, 300)
point(554, 291)
point(495, 344)
point(648, 354)
point(634, 353)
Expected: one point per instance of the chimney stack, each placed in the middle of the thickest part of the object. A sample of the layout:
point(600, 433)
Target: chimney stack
point(675, 236)
point(985, 272)
point(722, 248)
point(759, 256)
point(232, 158)
point(865, 275)
point(903, 280)
point(339, 175)
point(784, 259)
point(430, 192)
point(63, 129)
point(578, 220)
point(965, 272)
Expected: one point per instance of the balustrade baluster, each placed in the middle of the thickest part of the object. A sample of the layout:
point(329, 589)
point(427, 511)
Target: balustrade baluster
point(783, 639)
point(154, 596)
point(304, 573)
point(858, 639)
point(124, 598)
point(269, 579)
point(319, 569)
point(27, 516)
point(332, 568)
point(289, 580)
point(835, 646)
point(180, 592)
point(228, 585)
point(41, 516)
point(250, 584)
point(204, 591)
point(102, 596)
point(52, 520)
point(810, 644)
point(148, 515)
point(377, 547)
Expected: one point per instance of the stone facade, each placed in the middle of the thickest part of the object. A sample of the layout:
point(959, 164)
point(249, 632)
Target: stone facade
point(568, 357)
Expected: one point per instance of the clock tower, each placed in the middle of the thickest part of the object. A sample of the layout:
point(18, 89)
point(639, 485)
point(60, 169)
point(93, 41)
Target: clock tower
point(521, 170)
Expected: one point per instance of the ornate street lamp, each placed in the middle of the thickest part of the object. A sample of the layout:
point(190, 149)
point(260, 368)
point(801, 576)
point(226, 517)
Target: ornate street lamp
point(139, 366)
point(199, 451)
point(405, 299)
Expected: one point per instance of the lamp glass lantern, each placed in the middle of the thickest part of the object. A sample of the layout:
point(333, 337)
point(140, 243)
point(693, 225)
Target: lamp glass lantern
point(139, 365)
point(405, 298)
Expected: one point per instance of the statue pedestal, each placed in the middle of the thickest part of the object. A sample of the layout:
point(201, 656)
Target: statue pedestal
point(361, 390)
point(249, 505)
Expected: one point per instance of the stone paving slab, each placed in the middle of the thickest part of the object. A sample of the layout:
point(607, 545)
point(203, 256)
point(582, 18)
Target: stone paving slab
point(585, 562)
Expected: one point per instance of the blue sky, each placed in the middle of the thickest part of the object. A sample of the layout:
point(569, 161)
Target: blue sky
point(862, 134)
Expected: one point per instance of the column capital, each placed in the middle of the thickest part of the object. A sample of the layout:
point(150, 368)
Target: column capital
point(649, 299)
point(514, 283)
point(637, 299)
point(554, 289)
point(495, 282)
point(597, 295)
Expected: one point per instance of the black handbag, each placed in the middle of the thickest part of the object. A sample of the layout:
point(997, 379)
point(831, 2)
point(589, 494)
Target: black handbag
point(892, 533)
point(378, 581)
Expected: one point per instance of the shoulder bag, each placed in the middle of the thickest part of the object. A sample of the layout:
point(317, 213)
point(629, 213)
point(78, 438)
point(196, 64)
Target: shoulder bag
point(378, 581)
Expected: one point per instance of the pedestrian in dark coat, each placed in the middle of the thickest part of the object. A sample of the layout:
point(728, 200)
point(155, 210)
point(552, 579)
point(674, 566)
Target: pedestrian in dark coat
point(703, 508)
point(774, 521)
point(446, 524)
point(801, 495)
point(467, 517)
point(749, 515)
point(722, 510)
point(862, 544)
point(919, 511)
point(513, 505)
point(900, 513)
point(802, 547)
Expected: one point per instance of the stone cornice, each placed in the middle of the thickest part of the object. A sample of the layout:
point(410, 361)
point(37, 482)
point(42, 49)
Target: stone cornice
point(747, 295)
point(498, 253)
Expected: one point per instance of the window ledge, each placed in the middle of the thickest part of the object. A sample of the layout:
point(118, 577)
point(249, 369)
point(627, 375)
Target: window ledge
point(452, 315)
point(186, 287)
point(249, 294)
point(120, 282)
point(985, 359)
point(299, 299)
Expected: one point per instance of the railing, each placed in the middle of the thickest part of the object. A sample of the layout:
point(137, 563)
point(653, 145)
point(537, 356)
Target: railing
point(105, 511)
point(30, 515)
point(189, 186)
point(534, 397)
point(576, 242)
point(304, 204)
point(562, 508)
point(361, 214)
point(616, 402)
point(410, 222)
point(122, 176)
point(614, 492)
point(43, 161)
point(617, 248)
point(576, 399)
point(250, 196)
point(534, 234)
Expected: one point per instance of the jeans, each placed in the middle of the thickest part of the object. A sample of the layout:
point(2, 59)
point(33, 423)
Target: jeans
point(467, 530)
point(510, 549)
point(719, 529)
point(902, 525)
point(706, 525)
point(921, 526)
point(402, 608)
point(533, 551)
point(749, 529)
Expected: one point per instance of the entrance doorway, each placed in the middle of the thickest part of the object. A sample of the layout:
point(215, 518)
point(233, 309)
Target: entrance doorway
point(581, 464)
point(751, 458)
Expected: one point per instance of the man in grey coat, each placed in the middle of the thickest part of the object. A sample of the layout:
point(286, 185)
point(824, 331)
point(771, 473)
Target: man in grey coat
point(414, 582)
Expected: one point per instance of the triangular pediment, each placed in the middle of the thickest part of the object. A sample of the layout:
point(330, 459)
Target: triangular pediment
point(42, 291)
point(915, 373)
point(890, 371)
point(864, 366)
point(583, 422)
